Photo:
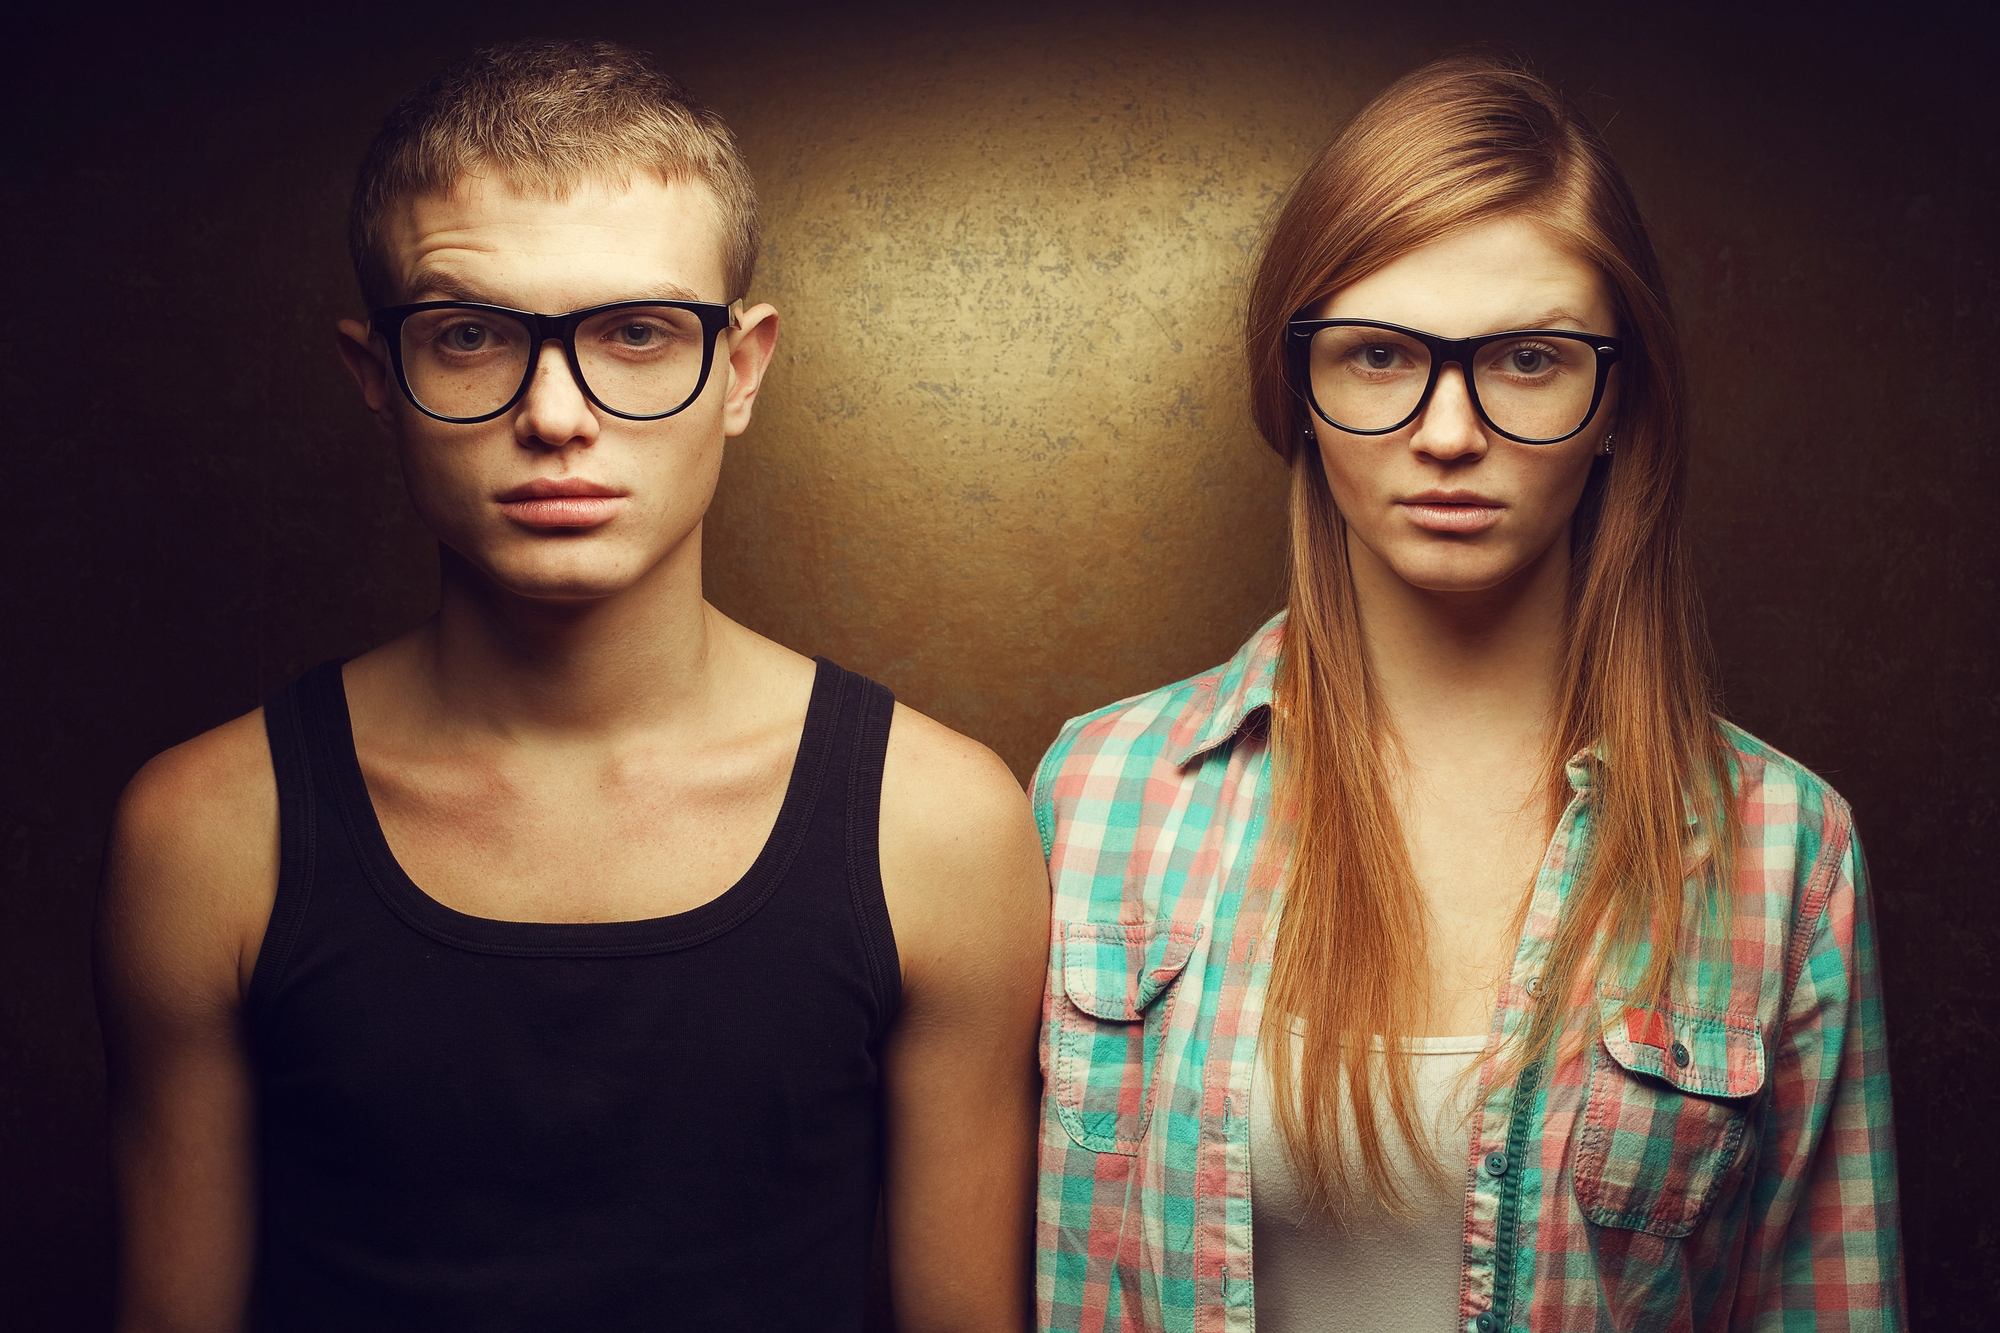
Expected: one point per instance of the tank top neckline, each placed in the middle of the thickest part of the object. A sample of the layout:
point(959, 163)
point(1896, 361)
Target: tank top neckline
point(1469, 1043)
point(571, 939)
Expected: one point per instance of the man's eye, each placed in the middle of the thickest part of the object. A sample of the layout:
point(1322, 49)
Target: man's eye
point(467, 338)
point(637, 335)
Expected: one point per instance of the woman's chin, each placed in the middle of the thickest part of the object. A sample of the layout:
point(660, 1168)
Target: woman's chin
point(1450, 566)
point(1461, 572)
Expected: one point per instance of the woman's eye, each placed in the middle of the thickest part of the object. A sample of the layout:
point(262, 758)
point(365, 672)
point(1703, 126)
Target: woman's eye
point(1529, 361)
point(1378, 357)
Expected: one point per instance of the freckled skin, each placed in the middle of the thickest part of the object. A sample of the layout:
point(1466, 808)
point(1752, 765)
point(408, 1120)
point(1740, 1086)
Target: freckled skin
point(603, 244)
point(1502, 275)
point(576, 735)
point(1463, 630)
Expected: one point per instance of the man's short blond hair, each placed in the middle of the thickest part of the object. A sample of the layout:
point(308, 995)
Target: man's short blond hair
point(549, 116)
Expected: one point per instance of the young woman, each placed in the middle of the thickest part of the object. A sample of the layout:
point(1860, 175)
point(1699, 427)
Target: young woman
point(1441, 961)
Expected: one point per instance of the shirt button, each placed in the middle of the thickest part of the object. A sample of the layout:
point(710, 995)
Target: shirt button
point(1534, 984)
point(1496, 1164)
point(1485, 1323)
point(1680, 1054)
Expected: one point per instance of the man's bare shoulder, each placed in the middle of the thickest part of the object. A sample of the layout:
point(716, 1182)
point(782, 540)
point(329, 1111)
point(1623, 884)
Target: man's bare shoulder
point(218, 785)
point(961, 861)
point(194, 849)
point(944, 785)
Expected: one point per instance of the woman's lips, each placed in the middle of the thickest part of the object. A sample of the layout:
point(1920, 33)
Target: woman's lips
point(565, 503)
point(1451, 513)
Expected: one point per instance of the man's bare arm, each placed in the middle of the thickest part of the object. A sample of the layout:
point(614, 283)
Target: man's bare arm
point(188, 886)
point(968, 895)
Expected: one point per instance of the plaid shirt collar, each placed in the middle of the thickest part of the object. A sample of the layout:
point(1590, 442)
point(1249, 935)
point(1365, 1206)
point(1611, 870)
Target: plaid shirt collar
point(1231, 699)
point(1236, 696)
point(1239, 696)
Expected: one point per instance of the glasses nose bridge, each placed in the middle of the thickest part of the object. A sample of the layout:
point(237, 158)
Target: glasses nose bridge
point(1447, 352)
point(1454, 352)
point(560, 330)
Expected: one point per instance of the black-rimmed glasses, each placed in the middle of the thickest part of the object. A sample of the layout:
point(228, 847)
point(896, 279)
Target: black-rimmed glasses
point(464, 362)
point(1534, 386)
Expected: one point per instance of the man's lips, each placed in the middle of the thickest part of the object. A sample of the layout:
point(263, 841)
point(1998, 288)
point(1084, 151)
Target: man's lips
point(1451, 511)
point(566, 502)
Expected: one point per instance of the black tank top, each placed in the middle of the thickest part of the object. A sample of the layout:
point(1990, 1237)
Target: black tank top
point(467, 1123)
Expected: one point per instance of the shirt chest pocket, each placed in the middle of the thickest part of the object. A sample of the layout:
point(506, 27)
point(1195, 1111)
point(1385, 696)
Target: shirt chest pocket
point(1663, 1125)
point(1111, 1015)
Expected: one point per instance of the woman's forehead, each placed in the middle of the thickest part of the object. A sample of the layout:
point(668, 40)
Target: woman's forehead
point(1503, 273)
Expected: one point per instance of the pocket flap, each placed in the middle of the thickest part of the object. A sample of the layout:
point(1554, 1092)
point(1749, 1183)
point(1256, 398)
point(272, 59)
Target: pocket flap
point(1114, 971)
point(1703, 1051)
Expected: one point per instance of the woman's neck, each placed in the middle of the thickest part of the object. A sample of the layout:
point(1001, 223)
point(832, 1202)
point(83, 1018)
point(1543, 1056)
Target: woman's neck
point(1465, 676)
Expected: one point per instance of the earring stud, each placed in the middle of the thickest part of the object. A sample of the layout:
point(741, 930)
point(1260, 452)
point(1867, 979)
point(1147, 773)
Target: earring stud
point(1606, 450)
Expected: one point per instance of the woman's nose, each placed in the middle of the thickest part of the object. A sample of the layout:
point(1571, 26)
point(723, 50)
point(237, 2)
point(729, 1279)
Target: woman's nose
point(1449, 426)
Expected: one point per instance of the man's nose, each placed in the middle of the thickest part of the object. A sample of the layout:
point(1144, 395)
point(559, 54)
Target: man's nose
point(1449, 427)
point(554, 412)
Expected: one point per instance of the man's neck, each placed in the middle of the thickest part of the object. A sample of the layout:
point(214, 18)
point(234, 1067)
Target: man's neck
point(558, 671)
point(1467, 676)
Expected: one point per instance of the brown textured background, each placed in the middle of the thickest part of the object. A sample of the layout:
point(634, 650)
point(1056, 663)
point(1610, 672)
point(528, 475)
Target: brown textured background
point(1003, 462)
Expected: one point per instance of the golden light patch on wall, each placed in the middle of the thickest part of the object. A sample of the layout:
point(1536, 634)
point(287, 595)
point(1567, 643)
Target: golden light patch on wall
point(1003, 461)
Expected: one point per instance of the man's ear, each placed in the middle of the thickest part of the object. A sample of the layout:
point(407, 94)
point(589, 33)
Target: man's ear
point(370, 368)
point(750, 345)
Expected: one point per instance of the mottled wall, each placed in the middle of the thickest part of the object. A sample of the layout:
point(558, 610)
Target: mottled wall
point(1002, 462)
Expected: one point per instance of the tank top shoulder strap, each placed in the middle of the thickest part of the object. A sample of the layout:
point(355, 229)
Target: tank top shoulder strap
point(858, 746)
point(306, 724)
point(299, 766)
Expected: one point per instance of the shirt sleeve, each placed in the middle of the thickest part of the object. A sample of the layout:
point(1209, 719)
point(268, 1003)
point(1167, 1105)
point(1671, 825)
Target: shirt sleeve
point(1824, 1249)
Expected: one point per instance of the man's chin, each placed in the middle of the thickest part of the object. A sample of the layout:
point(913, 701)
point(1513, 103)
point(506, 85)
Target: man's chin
point(553, 577)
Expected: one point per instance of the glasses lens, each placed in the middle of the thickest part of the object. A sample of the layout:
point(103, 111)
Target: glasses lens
point(1365, 377)
point(1538, 386)
point(464, 363)
point(641, 360)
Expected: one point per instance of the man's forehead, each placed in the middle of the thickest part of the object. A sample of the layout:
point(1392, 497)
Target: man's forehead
point(493, 235)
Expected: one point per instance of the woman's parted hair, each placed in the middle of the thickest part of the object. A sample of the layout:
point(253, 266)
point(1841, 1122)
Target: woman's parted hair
point(1461, 141)
point(548, 116)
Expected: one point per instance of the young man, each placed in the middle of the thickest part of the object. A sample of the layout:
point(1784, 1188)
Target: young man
point(579, 959)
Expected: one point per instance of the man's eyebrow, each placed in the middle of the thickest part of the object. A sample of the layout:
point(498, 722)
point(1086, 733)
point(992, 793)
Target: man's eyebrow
point(434, 285)
point(431, 285)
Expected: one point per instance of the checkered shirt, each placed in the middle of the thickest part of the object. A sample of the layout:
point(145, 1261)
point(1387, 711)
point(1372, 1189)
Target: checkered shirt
point(1721, 1163)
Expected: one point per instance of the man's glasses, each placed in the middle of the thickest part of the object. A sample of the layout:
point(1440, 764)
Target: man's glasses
point(1534, 386)
point(463, 362)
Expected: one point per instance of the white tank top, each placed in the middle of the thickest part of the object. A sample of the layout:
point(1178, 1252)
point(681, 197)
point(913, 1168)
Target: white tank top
point(1379, 1273)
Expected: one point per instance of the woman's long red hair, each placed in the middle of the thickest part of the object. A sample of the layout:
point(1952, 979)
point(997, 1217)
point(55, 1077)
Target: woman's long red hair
point(1461, 141)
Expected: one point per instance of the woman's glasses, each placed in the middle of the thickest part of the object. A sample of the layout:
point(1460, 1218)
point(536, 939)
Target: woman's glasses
point(1534, 386)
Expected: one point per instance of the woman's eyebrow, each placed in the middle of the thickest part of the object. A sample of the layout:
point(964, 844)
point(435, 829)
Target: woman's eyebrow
point(1554, 319)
